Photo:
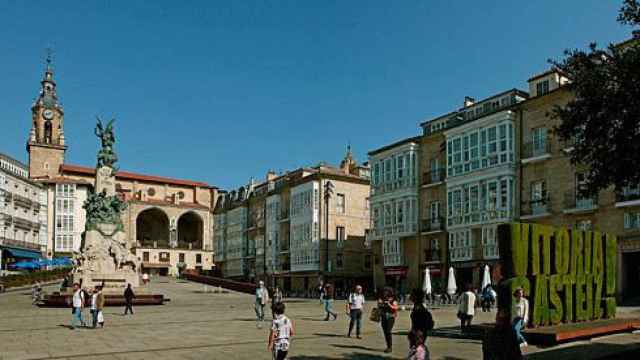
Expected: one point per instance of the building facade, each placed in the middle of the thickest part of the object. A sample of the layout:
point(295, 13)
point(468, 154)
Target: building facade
point(23, 214)
point(168, 222)
point(394, 214)
point(283, 228)
point(551, 184)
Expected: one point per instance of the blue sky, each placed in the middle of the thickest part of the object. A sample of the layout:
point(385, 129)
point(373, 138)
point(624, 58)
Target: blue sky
point(221, 91)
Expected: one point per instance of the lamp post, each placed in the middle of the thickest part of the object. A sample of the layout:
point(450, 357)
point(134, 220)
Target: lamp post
point(328, 191)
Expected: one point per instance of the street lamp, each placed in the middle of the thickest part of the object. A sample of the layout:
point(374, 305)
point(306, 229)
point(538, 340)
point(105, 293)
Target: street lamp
point(328, 191)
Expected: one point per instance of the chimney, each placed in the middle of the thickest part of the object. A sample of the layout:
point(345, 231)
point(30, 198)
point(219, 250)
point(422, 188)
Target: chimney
point(468, 101)
point(271, 175)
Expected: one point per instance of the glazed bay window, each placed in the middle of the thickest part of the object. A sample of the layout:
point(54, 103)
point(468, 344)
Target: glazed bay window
point(485, 200)
point(460, 245)
point(632, 221)
point(480, 148)
point(392, 252)
point(489, 242)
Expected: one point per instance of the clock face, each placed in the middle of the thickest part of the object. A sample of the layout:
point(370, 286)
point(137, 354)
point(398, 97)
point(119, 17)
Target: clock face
point(48, 114)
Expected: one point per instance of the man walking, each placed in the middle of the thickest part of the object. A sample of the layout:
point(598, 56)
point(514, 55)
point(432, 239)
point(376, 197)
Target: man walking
point(128, 299)
point(262, 299)
point(97, 304)
point(77, 303)
point(355, 304)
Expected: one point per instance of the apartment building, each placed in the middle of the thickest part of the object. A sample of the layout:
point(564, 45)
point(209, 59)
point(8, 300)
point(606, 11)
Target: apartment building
point(550, 186)
point(394, 214)
point(291, 238)
point(23, 214)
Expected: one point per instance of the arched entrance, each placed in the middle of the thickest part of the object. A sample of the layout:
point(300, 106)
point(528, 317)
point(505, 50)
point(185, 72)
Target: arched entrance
point(190, 229)
point(152, 228)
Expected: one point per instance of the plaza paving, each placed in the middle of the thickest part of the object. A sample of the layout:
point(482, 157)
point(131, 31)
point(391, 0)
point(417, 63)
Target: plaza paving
point(199, 325)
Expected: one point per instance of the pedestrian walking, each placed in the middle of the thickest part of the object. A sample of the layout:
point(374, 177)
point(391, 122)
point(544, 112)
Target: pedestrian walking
point(388, 309)
point(262, 299)
point(77, 303)
point(328, 303)
point(280, 334)
point(275, 299)
point(500, 342)
point(466, 308)
point(100, 306)
point(355, 306)
point(417, 351)
point(93, 309)
point(421, 318)
point(520, 315)
point(128, 299)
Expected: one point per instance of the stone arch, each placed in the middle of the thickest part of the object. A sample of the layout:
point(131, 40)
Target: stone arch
point(190, 228)
point(152, 225)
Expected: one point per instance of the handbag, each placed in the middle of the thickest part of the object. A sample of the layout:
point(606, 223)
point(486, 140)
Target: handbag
point(100, 317)
point(375, 315)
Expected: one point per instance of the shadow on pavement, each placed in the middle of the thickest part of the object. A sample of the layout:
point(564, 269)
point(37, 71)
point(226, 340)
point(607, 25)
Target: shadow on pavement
point(454, 332)
point(593, 350)
point(355, 347)
point(352, 356)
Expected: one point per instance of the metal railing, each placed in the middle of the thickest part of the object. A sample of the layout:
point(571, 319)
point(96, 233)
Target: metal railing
point(536, 148)
point(536, 207)
point(434, 176)
point(432, 224)
point(628, 195)
point(19, 243)
point(575, 201)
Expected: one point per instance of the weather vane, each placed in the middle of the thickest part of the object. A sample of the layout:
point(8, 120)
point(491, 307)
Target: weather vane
point(49, 52)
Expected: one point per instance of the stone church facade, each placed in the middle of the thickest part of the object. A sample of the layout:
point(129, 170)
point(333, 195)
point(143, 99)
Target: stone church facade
point(168, 222)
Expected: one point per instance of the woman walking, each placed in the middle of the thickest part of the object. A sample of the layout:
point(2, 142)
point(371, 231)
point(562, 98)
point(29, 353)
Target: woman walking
point(520, 315)
point(388, 308)
point(328, 303)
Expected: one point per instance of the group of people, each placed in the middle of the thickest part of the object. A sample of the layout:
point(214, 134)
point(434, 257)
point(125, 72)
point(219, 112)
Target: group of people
point(95, 300)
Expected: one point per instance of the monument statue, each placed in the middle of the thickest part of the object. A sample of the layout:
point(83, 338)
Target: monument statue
point(105, 257)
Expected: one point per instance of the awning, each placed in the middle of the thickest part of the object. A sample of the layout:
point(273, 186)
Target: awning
point(23, 253)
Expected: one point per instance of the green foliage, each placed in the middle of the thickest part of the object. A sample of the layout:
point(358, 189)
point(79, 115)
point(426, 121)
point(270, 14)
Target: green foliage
point(562, 247)
point(597, 296)
point(541, 300)
point(603, 121)
point(629, 13)
point(556, 310)
point(580, 298)
point(586, 259)
point(29, 278)
point(597, 260)
point(569, 282)
point(534, 257)
point(610, 307)
point(577, 266)
point(611, 253)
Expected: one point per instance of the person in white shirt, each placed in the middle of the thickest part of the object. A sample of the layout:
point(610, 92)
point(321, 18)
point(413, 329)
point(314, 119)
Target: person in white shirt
point(262, 299)
point(466, 308)
point(280, 334)
point(355, 304)
point(520, 315)
point(77, 304)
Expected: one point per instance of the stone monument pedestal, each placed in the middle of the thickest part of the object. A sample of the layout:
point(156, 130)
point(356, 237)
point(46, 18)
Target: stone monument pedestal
point(106, 260)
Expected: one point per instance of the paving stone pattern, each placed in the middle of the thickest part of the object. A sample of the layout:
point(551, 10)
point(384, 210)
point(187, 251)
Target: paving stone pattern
point(199, 325)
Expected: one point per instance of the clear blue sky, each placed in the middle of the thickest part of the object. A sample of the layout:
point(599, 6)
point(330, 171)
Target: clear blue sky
point(222, 91)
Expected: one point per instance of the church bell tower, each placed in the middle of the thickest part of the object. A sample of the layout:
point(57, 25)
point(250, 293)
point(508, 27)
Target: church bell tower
point(46, 145)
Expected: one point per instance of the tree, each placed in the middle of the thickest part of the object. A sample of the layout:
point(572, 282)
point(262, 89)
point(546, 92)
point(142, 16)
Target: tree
point(603, 120)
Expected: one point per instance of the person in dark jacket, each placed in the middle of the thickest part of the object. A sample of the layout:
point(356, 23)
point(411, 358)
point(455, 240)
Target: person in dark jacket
point(501, 343)
point(421, 318)
point(128, 299)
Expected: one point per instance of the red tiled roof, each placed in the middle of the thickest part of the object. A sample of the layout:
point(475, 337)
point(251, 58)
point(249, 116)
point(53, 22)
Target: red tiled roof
point(60, 180)
point(67, 168)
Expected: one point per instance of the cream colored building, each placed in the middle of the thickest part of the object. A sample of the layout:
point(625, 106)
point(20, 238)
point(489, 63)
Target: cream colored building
point(23, 214)
point(276, 230)
point(168, 222)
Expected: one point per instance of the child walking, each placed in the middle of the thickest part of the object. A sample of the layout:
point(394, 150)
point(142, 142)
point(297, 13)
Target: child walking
point(280, 334)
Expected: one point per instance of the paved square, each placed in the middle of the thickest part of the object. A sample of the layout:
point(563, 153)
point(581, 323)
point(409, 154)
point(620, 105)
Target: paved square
point(198, 325)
